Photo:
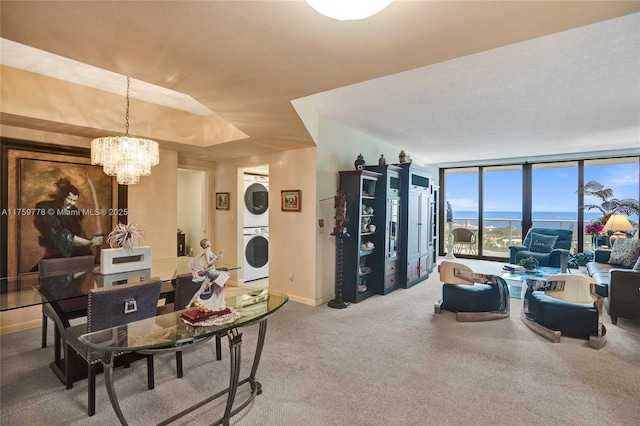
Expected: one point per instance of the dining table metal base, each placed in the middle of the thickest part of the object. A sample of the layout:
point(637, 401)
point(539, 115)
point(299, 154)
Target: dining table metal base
point(235, 343)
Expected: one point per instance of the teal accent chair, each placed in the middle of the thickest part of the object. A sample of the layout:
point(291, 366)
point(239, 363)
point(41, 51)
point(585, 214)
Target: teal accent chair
point(553, 256)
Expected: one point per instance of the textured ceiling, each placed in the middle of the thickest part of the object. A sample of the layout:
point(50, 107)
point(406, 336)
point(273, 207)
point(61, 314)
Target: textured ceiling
point(447, 80)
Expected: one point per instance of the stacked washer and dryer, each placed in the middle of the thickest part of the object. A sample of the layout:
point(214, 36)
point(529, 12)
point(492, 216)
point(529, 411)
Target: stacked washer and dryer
point(256, 227)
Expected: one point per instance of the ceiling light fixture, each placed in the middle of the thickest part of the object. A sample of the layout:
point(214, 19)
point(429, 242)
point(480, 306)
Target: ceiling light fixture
point(125, 157)
point(348, 10)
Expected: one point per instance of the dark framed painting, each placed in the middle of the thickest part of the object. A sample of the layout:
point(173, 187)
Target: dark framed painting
point(54, 204)
point(291, 200)
point(222, 201)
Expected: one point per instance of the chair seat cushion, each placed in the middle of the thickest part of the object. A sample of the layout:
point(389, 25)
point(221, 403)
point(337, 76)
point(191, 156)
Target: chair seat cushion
point(578, 320)
point(470, 298)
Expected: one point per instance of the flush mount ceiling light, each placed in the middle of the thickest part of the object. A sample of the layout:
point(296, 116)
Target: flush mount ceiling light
point(125, 157)
point(348, 10)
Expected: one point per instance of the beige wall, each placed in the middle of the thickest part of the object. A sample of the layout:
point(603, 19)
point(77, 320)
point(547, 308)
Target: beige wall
point(291, 235)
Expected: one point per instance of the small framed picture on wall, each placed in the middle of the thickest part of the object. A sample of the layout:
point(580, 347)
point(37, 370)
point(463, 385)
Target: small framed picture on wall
point(291, 200)
point(222, 201)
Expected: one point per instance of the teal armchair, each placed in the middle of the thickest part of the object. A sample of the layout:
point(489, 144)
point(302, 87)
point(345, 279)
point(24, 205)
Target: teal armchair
point(549, 246)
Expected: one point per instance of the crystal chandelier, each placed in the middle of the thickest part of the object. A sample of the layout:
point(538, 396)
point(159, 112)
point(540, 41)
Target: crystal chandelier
point(125, 157)
point(348, 10)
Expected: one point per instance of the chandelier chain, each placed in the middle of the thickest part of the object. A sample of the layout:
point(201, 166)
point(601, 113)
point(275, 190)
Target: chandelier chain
point(127, 114)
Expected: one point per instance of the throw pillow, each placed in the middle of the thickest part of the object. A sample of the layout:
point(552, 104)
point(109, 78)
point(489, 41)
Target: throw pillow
point(542, 243)
point(625, 252)
point(636, 267)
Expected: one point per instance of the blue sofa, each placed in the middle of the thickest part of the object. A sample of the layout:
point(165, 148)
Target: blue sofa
point(539, 243)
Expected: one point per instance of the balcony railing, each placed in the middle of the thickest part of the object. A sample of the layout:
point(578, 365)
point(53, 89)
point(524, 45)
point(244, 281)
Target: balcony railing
point(503, 233)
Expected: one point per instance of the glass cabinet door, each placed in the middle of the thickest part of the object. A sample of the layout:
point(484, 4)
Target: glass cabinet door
point(393, 240)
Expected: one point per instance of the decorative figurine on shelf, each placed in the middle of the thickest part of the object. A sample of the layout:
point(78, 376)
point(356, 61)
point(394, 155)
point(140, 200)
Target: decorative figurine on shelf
point(359, 163)
point(340, 203)
point(203, 269)
point(402, 156)
point(382, 161)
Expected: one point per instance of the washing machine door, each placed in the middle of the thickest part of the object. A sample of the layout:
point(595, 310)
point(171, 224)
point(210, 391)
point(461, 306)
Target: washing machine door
point(256, 251)
point(256, 198)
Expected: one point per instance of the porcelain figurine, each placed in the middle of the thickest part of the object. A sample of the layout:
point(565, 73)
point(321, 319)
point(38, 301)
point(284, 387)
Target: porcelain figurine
point(210, 295)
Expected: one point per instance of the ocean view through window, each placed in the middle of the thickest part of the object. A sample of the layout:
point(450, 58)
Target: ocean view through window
point(500, 203)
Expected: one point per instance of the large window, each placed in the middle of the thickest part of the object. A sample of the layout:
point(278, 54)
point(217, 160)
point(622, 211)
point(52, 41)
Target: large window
point(500, 203)
point(554, 201)
point(621, 175)
point(501, 209)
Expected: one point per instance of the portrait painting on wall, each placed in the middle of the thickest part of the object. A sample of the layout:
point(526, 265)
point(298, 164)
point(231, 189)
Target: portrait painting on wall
point(58, 205)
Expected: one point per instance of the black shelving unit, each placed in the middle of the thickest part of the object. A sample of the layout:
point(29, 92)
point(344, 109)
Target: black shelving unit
point(362, 251)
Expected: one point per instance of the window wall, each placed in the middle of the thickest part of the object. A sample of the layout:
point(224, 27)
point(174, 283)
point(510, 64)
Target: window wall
point(501, 209)
point(554, 201)
point(501, 203)
point(621, 175)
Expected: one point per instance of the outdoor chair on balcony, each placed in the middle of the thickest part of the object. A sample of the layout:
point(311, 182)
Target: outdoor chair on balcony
point(464, 239)
point(549, 246)
point(472, 296)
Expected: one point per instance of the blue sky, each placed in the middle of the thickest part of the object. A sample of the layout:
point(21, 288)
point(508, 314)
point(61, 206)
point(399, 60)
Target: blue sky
point(553, 188)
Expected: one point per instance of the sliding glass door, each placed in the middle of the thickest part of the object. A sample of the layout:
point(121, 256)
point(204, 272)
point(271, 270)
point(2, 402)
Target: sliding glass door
point(488, 202)
point(554, 200)
point(501, 210)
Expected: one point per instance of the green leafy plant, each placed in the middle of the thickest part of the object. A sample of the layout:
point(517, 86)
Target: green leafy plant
point(529, 262)
point(124, 236)
point(608, 205)
point(579, 259)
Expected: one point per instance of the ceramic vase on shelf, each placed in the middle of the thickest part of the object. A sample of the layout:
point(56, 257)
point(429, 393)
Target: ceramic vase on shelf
point(359, 163)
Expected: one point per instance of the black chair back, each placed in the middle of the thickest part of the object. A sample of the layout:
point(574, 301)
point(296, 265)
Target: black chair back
point(122, 304)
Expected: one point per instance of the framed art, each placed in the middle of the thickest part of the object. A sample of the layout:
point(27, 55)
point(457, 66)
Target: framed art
point(291, 200)
point(51, 194)
point(222, 201)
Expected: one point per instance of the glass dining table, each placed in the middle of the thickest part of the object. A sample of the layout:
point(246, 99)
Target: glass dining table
point(34, 289)
point(163, 333)
point(169, 333)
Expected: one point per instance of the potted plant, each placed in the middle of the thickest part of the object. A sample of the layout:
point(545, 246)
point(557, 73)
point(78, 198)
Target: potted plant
point(579, 261)
point(596, 230)
point(529, 263)
point(123, 256)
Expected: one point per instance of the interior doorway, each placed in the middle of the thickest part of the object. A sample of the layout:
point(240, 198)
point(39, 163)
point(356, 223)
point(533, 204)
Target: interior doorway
point(193, 216)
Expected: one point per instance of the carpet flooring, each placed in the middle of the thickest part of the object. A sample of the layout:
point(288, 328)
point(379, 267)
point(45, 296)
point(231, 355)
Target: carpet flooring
point(388, 360)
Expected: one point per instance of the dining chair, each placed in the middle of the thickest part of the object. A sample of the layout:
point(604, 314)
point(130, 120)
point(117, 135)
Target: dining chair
point(110, 307)
point(185, 288)
point(73, 308)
